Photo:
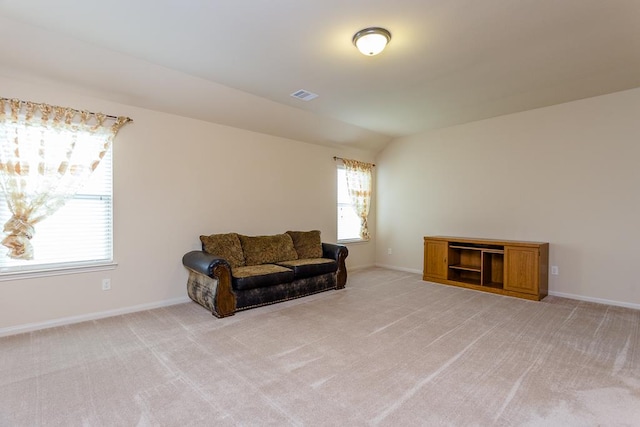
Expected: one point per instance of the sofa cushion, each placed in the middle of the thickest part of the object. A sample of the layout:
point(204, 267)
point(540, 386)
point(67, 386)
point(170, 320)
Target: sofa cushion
point(258, 276)
point(225, 246)
point(267, 249)
point(308, 244)
point(310, 267)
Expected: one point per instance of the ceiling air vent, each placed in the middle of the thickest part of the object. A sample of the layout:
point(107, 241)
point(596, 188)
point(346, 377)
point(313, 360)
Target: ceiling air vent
point(304, 95)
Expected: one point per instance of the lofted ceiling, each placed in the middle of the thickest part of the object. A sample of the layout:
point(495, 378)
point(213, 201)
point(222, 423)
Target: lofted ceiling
point(237, 62)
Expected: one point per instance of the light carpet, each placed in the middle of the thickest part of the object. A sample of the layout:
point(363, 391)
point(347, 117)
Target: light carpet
point(388, 350)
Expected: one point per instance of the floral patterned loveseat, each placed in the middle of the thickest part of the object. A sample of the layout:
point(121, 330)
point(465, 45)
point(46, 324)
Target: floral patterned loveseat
point(234, 272)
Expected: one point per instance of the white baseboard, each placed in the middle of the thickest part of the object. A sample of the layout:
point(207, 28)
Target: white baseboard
point(359, 267)
point(406, 270)
point(595, 300)
point(556, 294)
point(30, 327)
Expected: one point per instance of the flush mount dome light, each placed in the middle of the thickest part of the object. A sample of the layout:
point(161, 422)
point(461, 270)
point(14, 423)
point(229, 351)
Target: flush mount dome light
point(371, 41)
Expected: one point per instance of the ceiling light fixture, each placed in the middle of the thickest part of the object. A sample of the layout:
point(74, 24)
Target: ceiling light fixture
point(371, 41)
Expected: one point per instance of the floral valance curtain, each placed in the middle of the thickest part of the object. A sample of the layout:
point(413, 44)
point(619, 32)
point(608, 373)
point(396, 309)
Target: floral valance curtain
point(47, 153)
point(359, 186)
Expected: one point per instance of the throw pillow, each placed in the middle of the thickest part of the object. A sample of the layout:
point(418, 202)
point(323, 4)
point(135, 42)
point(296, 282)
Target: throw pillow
point(225, 246)
point(267, 249)
point(308, 244)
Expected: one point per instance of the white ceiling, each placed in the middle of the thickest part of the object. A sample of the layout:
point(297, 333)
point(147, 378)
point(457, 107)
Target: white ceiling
point(236, 62)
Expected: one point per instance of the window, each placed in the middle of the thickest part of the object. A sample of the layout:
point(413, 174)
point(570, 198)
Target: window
point(348, 220)
point(78, 234)
point(55, 188)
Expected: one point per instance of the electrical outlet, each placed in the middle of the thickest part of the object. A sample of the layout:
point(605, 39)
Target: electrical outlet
point(554, 270)
point(389, 251)
point(106, 284)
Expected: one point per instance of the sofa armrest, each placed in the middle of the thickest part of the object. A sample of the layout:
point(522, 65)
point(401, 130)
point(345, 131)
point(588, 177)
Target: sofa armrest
point(209, 282)
point(203, 262)
point(339, 253)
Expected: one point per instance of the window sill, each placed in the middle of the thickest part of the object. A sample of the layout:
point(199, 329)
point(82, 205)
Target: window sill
point(350, 241)
point(56, 271)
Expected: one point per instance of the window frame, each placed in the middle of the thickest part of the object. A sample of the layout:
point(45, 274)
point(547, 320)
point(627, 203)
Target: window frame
point(340, 204)
point(46, 269)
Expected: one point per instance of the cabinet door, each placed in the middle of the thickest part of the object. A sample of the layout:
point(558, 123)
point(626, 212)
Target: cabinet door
point(521, 268)
point(435, 259)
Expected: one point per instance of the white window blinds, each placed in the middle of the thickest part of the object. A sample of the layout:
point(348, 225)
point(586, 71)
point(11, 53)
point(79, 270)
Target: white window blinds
point(79, 234)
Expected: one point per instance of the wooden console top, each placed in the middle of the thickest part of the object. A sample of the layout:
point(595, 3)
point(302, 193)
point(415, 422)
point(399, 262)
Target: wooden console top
point(484, 241)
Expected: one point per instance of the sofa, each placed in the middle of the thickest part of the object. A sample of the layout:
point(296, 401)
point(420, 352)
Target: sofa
point(235, 272)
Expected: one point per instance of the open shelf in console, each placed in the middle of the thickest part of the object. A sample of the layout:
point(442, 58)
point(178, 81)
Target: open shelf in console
point(476, 264)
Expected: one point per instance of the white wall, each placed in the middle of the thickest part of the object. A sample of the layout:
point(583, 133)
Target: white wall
point(174, 179)
point(568, 175)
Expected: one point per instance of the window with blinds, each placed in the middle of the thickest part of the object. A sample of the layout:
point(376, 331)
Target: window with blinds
point(80, 234)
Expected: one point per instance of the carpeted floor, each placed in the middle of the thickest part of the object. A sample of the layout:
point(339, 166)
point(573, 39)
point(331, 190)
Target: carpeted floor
point(388, 350)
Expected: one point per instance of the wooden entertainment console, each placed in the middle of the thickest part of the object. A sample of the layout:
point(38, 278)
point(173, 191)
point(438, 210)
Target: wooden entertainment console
point(513, 268)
